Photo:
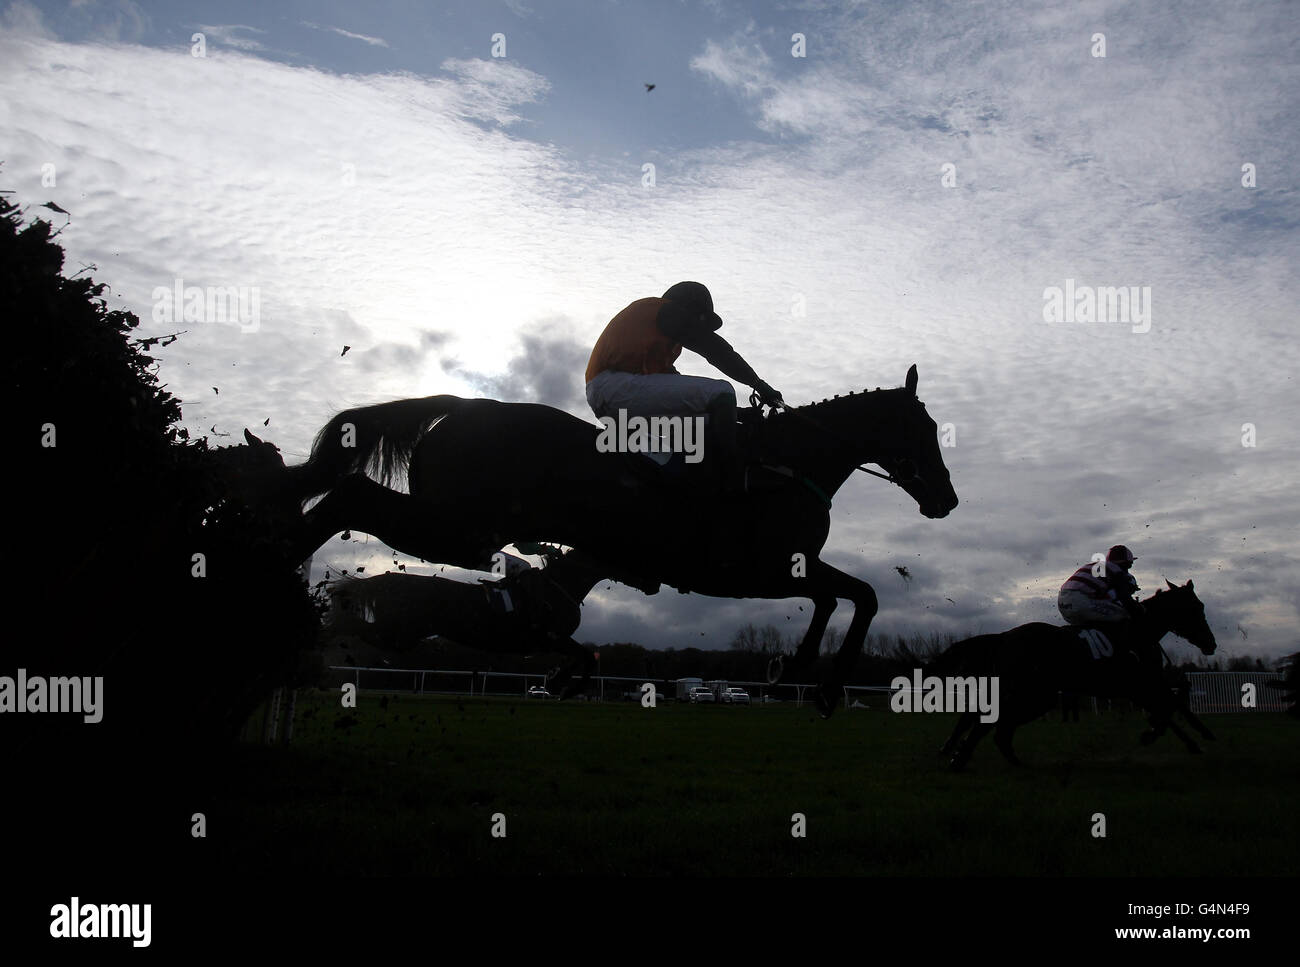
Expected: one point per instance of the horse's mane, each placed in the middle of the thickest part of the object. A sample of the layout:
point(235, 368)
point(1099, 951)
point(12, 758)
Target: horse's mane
point(838, 400)
point(1160, 591)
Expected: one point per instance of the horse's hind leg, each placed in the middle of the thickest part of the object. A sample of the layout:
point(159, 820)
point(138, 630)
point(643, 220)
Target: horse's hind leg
point(967, 748)
point(1002, 738)
point(964, 722)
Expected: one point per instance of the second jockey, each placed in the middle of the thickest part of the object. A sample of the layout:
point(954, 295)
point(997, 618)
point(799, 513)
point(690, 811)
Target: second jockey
point(1101, 595)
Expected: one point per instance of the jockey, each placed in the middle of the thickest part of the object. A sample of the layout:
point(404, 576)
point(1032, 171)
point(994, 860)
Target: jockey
point(1086, 599)
point(631, 369)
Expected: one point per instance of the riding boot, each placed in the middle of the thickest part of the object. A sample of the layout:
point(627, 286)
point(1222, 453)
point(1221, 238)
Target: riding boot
point(727, 458)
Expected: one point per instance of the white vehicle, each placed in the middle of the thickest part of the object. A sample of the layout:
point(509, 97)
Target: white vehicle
point(538, 692)
point(735, 696)
point(700, 695)
point(684, 686)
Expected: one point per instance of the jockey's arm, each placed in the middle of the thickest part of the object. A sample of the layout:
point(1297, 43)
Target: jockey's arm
point(722, 357)
point(1123, 585)
point(698, 338)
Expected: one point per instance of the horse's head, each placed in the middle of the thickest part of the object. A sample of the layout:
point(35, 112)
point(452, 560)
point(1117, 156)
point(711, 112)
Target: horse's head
point(828, 440)
point(914, 461)
point(1184, 613)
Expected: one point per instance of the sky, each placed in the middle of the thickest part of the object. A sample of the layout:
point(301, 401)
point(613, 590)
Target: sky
point(459, 193)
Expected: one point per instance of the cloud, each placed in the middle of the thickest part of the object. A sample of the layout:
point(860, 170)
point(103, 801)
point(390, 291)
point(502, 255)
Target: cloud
point(111, 21)
point(490, 90)
point(23, 19)
point(423, 219)
point(232, 35)
point(542, 372)
point(740, 65)
point(372, 41)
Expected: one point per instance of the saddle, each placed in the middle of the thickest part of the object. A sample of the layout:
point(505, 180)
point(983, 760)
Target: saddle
point(1117, 640)
point(670, 471)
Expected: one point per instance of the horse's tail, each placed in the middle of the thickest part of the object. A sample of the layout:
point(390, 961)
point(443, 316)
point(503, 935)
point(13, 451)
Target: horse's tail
point(377, 440)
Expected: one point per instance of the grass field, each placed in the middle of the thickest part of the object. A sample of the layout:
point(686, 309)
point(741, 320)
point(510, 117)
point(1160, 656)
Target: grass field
point(590, 788)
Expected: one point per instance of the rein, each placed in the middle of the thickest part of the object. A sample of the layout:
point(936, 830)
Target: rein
point(756, 401)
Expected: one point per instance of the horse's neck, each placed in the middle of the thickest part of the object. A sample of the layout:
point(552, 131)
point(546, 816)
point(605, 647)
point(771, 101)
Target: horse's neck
point(847, 433)
point(1154, 623)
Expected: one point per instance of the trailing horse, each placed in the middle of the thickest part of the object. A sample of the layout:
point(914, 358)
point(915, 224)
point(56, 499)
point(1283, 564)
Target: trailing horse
point(484, 474)
point(1036, 661)
point(535, 611)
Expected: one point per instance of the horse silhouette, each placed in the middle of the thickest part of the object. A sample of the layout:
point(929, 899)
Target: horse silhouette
point(483, 474)
point(534, 611)
point(1034, 662)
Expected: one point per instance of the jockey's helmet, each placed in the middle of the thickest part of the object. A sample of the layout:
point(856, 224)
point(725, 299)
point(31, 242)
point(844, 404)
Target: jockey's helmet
point(1119, 554)
point(695, 295)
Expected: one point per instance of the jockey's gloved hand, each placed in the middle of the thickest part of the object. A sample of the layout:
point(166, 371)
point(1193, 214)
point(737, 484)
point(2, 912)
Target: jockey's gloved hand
point(769, 396)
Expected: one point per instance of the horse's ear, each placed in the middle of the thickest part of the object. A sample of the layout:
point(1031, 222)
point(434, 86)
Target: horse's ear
point(1189, 585)
point(250, 439)
point(1172, 586)
point(911, 380)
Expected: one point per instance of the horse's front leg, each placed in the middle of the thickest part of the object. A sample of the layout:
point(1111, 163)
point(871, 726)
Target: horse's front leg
point(779, 667)
point(579, 657)
point(1183, 737)
point(865, 606)
point(1195, 722)
point(1156, 724)
point(1183, 706)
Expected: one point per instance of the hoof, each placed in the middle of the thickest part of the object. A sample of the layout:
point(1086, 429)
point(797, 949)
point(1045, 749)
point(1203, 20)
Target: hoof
point(824, 702)
point(956, 764)
point(775, 669)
